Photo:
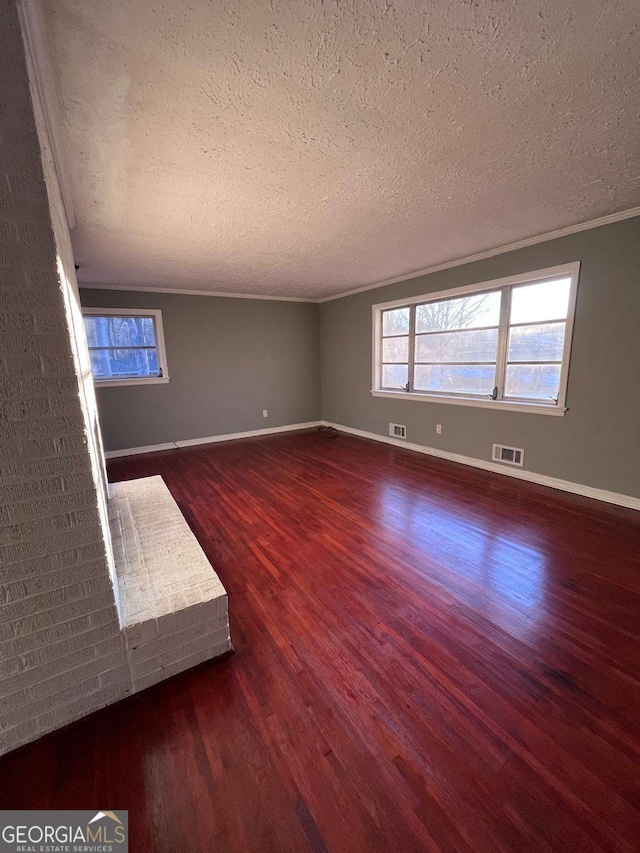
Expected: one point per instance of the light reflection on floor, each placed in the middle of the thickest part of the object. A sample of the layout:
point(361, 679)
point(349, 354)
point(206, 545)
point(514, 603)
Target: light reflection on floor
point(507, 575)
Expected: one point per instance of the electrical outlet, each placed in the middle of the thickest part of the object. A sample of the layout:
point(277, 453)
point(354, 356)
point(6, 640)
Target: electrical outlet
point(439, 429)
point(265, 413)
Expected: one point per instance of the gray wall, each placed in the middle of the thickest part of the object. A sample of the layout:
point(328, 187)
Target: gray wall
point(597, 443)
point(231, 358)
point(228, 360)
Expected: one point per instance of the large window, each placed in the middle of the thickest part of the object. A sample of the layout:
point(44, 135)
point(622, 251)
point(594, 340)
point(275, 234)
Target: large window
point(126, 346)
point(504, 343)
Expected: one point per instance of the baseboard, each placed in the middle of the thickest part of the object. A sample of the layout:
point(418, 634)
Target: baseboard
point(529, 476)
point(231, 436)
point(211, 439)
point(133, 451)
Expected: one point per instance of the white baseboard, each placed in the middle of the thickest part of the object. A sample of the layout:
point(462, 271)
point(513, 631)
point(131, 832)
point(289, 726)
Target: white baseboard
point(230, 436)
point(211, 439)
point(133, 451)
point(529, 476)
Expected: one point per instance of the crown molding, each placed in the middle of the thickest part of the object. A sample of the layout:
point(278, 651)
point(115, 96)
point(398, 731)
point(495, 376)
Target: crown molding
point(490, 253)
point(42, 77)
point(92, 285)
point(500, 250)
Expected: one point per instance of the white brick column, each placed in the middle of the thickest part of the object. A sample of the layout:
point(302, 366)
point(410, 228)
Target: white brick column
point(62, 654)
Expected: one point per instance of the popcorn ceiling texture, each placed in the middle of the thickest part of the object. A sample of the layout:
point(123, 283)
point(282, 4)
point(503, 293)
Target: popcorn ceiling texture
point(307, 148)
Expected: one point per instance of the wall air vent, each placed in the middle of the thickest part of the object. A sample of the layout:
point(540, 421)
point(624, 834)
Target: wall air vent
point(397, 430)
point(510, 455)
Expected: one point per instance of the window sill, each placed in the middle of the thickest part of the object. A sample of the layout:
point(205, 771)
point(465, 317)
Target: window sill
point(503, 405)
point(146, 380)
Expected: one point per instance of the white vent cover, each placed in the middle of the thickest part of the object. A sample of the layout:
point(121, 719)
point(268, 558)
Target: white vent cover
point(510, 455)
point(397, 430)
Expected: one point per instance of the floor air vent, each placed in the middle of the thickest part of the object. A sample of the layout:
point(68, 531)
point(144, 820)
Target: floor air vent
point(397, 430)
point(510, 455)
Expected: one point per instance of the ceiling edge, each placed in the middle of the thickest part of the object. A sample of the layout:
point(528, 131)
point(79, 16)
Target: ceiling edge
point(92, 285)
point(500, 250)
point(42, 78)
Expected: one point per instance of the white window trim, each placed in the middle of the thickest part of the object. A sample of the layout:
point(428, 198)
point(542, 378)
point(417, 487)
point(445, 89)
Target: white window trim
point(160, 345)
point(558, 409)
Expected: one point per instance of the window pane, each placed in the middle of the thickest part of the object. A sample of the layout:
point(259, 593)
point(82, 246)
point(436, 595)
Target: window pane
point(537, 343)
point(463, 379)
point(395, 349)
point(537, 381)
point(480, 345)
point(395, 375)
point(119, 331)
point(122, 363)
point(548, 300)
point(396, 322)
point(469, 312)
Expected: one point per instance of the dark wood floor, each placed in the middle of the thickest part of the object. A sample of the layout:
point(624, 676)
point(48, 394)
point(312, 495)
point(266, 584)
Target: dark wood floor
point(428, 658)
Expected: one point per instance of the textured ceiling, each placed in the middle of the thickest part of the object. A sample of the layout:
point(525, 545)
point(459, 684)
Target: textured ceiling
point(311, 147)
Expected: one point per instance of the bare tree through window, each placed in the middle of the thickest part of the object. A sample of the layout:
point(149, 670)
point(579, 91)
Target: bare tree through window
point(458, 313)
point(122, 346)
point(507, 342)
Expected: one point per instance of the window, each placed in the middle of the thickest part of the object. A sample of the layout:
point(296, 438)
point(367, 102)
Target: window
point(126, 346)
point(500, 344)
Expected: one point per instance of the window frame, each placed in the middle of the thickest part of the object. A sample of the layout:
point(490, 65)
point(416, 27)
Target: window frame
point(156, 315)
point(558, 408)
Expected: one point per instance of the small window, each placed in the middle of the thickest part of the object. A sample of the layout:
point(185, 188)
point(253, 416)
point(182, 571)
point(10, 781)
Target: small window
point(498, 344)
point(126, 346)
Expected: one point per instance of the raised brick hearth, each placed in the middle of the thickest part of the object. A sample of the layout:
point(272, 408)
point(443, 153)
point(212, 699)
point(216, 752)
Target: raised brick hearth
point(173, 608)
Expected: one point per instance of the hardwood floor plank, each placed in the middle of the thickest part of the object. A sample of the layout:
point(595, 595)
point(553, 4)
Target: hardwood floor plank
point(429, 658)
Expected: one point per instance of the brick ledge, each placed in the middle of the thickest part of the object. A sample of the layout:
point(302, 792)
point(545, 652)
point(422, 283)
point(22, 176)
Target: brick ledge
point(172, 606)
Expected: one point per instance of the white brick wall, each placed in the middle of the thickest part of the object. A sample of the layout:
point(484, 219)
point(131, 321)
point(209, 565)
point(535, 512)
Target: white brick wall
point(62, 654)
point(174, 610)
point(62, 651)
